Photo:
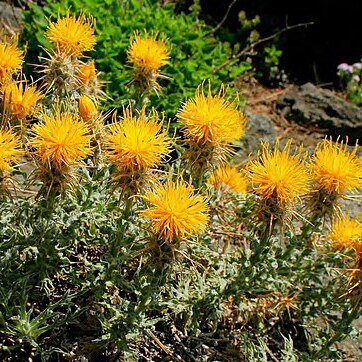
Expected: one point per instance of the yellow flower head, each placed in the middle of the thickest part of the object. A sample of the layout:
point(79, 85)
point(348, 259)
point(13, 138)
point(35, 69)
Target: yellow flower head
point(137, 143)
point(228, 177)
point(147, 53)
point(20, 100)
point(87, 72)
point(211, 119)
point(9, 150)
point(87, 109)
point(176, 211)
point(72, 35)
point(11, 60)
point(278, 175)
point(345, 232)
point(335, 169)
point(60, 140)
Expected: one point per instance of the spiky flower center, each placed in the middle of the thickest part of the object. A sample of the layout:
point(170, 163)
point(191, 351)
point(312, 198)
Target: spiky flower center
point(9, 150)
point(137, 143)
point(11, 60)
point(278, 175)
point(211, 119)
point(176, 211)
point(345, 232)
point(147, 53)
point(60, 140)
point(228, 177)
point(335, 169)
point(72, 35)
point(20, 100)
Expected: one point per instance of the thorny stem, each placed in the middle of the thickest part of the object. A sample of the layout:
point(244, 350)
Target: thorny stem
point(264, 242)
point(198, 176)
point(310, 226)
point(123, 225)
point(127, 211)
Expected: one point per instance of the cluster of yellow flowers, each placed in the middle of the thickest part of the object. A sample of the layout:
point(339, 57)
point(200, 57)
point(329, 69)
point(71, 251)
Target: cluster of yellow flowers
point(332, 173)
point(282, 177)
point(137, 143)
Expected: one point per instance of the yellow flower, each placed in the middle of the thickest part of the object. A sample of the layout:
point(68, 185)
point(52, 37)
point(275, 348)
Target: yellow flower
point(278, 175)
point(137, 143)
point(20, 100)
point(87, 109)
point(176, 211)
point(147, 53)
point(213, 119)
point(11, 60)
point(9, 150)
point(60, 140)
point(345, 232)
point(88, 80)
point(229, 177)
point(72, 35)
point(87, 72)
point(335, 169)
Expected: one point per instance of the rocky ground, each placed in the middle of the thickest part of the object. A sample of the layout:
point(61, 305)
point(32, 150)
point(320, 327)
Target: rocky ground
point(306, 113)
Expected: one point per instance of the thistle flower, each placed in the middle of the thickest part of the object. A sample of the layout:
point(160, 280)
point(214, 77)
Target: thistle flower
point(95, 120)
point(60, 141)
point(345, 232)
point(228, 177)
point(20, 100)
point(87, 72)
point(210, 124)
point(9, 150)
point(335, 172)
point(88, 80)
point(72, 35)
point(147, 55)
point(278, 177)
point(87, 109)
point(335, 169)
point(11, 60)
point(211, 119)
point(176, 212)
point(137, 143)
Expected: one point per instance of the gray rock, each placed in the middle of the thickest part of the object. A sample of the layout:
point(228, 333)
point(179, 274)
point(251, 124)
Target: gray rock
point(315, 107)
point(10, 19)
point(258, 128)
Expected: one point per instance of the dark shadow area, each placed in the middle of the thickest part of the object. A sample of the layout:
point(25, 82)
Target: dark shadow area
point(309, 54)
